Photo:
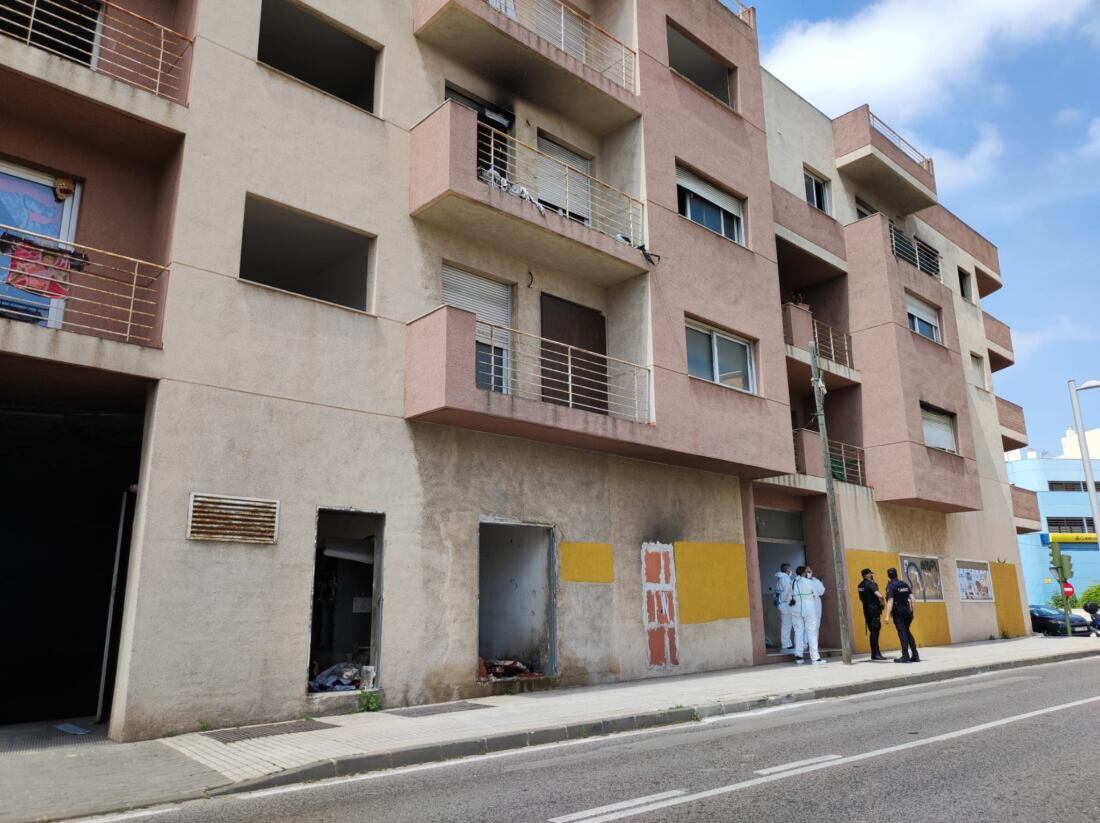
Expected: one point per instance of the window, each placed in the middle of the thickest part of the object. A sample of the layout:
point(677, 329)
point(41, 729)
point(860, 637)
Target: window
point(924, 319)
point(863, 210)
point(939, 429)
point(700, 66)
point(1070, 525)
point(494, 154)
point(306, 47)
point(564, 175)
point(491, 302)
point(720, 358)
point(710, 207)
point(1066, 485)
point(977, 371)
point(305, 255)
point(817, 191)
point(965, 288)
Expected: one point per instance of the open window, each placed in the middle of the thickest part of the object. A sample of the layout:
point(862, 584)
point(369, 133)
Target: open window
point(297, 253)
point(710, 207)
point(701, 66)
point(301, 44)
point(923, 318)
point(939, 429)
point(817, 190)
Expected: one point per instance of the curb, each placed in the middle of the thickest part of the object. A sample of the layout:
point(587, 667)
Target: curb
point(364, 763)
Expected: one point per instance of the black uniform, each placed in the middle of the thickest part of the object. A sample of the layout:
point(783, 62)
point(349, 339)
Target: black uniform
point(902, 612)
point(872, 612)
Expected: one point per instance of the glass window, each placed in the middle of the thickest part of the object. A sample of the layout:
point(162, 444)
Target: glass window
point(924, 319)
point(700, 354)
point(1066, 485)
point(720, 358)
point(939, 429)
point(977, 371)
point(700, 210)
point(817, 191)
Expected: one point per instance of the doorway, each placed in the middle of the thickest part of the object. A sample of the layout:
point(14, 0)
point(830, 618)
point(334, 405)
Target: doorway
point(515, 601)
point(574, 355)
point(347, 601)
point(779, 540)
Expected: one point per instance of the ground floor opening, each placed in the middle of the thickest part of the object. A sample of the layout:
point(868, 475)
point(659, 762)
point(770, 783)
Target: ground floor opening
point(70, 448)
point(515, 601)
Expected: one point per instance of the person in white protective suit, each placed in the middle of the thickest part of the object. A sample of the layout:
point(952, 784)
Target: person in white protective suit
point(782, 600)
point(806, 592)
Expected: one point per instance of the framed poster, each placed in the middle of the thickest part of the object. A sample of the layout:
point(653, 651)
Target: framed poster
point(975, 583)
point(923, 574)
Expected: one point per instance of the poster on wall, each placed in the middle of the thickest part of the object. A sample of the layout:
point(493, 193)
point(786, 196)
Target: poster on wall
point(923, 574)
point(974, 580)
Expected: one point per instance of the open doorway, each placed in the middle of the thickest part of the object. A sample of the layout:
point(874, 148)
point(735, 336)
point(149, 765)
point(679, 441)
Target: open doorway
point(779, 540)
point(515, 601)
point(347, 599)
point(70, 448)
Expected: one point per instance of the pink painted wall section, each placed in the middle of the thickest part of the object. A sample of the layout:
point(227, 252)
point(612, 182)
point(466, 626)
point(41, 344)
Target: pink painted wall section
point(798, 326)
point(1025, 503)
point(959, 233)
point(853, 131)
point(1011, 416)
point(997, 332)
point(795, 214)
point(811, 459)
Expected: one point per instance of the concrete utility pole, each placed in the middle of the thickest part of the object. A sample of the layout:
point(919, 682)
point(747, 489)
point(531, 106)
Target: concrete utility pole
point(830, 498)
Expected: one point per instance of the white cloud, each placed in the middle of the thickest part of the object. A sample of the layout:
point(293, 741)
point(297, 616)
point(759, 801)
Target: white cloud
point(1066, 116)
point(955, 171)
point(907, 58)
point(1062, 329)
point(1092, 144)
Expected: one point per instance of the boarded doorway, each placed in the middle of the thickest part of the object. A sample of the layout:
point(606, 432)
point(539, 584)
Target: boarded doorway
point(347, 589)
point(515, 600)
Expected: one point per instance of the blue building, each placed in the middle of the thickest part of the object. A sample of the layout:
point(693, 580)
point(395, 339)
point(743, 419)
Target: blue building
point(1064, 509)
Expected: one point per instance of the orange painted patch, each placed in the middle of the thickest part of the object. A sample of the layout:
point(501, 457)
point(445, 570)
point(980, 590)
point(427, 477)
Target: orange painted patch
point(652, 567)
point(657, 647)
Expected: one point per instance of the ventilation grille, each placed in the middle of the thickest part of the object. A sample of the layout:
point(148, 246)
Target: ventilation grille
point(233, 519)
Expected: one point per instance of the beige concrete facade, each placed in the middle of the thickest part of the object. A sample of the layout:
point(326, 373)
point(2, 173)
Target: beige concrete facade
point(256, 391)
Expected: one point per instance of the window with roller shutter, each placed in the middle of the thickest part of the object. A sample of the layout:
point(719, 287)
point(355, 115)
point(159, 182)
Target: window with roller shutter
point(564, 182)
point(491, 302)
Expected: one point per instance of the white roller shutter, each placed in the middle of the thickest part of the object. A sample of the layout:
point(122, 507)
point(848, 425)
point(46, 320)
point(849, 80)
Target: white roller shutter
point(708, 192)
point(489, 300)
point(552, 179)
point(939, 430)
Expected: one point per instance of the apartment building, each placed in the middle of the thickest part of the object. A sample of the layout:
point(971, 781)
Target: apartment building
point(442, 336)
point(1063, 514)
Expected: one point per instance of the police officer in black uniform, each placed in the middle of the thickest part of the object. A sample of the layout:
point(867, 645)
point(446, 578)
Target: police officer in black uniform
point(899, 604)
point(873, 602)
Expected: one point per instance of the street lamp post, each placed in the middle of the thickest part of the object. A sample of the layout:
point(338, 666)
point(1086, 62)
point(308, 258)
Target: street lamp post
point(1090, 483)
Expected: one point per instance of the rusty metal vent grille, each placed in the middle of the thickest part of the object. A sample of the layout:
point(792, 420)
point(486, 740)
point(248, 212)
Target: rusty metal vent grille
point(234, 519)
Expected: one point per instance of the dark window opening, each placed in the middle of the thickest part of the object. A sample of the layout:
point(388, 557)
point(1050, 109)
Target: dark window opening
point(700, 66)
point(68, 28)
point(306, 47)
point(964, 285)
point(291, 251)
point(864, 210)
point(700, 210)
point(1070, 525)
point(1067, 485)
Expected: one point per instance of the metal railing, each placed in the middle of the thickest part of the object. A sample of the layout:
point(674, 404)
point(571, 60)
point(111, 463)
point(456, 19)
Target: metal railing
point(549, 184)
point(845, 461)
point(574, 34)
point(833, 344)
point(106, 38)
point(915, 252)
point(908, 148)
point(534, 368)
point(742, 11)
point(79, 288)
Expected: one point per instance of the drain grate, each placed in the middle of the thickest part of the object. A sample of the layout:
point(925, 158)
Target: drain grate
point(268, 730)
point(439, 708)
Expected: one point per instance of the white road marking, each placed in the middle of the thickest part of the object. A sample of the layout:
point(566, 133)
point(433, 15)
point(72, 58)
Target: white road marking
point(807, 762)
point(798, 704)
point(855, 758)
point(614, 807)
point(110, 818)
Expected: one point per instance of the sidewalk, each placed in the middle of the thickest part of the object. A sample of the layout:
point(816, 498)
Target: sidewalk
point(100, 777)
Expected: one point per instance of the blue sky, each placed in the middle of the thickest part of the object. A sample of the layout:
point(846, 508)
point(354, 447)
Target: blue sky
point(1005, 97)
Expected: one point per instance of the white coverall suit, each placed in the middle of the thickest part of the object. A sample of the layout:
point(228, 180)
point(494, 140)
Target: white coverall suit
point(806, 615)
point(782, 588)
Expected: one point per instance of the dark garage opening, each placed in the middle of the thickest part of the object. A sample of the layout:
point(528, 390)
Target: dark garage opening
point(70, 446)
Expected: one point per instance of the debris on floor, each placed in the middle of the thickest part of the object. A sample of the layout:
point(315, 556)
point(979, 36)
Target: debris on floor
point(343, 677)
point(71, 728)
point(503, 669)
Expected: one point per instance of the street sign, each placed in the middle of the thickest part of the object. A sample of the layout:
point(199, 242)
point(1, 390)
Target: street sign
point(1067, 589)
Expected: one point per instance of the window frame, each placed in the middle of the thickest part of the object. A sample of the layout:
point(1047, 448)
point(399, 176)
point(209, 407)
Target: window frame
point(1079, 486)
point(864, 209)
point(691, 187)
point(927, 411)
point(1065, 527)
point(731, 101)
point(978, 362)
point(913, 320)
point(713, 334)
point(815, 180)
point(966, 284)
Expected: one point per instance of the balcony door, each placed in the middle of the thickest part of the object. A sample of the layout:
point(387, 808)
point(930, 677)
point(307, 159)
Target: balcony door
point(574, 349)
point(34, 225)
point(491, 302)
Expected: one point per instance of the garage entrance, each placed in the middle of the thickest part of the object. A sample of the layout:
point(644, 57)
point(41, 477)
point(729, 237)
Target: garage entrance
point(70, 448)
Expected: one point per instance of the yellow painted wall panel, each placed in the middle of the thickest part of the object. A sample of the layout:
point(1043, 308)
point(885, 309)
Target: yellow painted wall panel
point(711, 582)
point(1006, 595)
point(930, 627)
point(878, 562)
point(587, 563)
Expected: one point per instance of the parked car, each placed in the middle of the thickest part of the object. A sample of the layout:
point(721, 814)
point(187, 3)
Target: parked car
point(1050, 621)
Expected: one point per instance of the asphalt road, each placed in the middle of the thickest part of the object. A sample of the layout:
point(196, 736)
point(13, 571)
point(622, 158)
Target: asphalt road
point(1014, 746)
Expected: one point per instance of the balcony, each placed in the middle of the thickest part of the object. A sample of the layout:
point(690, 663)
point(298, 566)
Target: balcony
point(106, 38)
point(998, 338)
point(1025, 510)
point(1013, 429)
point(915, 252)
point(77, 288)
point(845, 461)
point(541, 50)
point(834, 348)
point(987, 269)
point(882, 163)
point(479, 182)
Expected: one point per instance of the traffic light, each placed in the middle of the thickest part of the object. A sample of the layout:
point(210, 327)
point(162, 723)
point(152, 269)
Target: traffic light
point(1056, 560)
point(1067, 567)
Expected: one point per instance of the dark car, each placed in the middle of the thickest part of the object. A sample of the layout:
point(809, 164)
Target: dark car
point(1050, 621)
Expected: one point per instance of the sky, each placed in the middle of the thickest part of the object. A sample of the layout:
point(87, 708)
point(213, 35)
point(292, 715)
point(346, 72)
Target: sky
point(1004, 95)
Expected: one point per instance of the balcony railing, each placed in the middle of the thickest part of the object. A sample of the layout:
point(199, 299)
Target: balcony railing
point(903, 144)
point(549, 184)
point(577, 36)
point(833, 344)
point(915, 252)
point(845, 461)
point(79, 288)
point(106, 38)
point(534, 368)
